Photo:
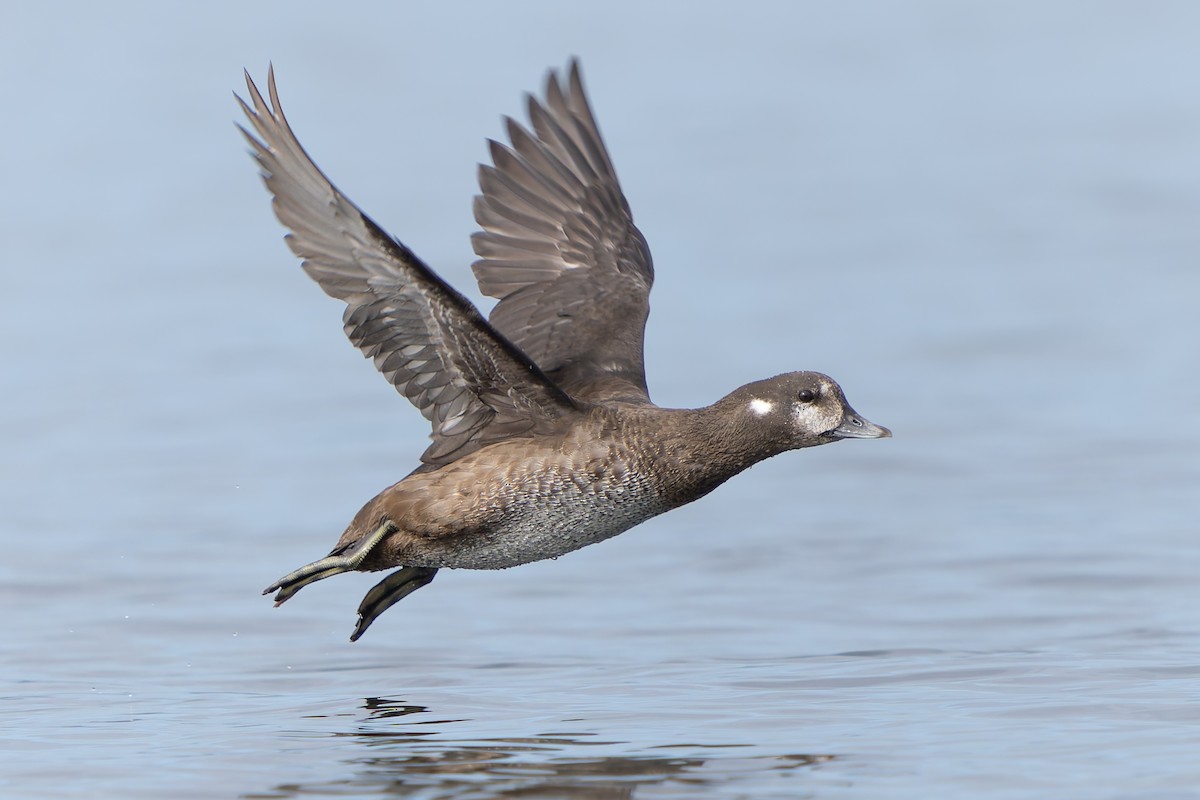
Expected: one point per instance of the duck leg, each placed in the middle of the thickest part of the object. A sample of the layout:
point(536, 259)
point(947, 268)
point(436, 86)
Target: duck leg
point(388, 592)
point(332, 564)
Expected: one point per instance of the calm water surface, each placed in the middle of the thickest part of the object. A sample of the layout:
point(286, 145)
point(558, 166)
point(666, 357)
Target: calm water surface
point(982, 222)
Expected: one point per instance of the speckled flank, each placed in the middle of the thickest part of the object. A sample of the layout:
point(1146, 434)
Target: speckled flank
point(549, 513)
point(517, 502)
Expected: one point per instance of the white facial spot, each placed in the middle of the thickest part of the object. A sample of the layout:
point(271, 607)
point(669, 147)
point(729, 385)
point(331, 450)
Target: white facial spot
point(807, 415)
point(761, 407)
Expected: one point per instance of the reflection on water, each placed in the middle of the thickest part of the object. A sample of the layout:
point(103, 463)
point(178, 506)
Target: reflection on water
point(407, 756)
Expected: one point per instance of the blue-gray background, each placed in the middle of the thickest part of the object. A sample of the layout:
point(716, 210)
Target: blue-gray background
point(982, 219)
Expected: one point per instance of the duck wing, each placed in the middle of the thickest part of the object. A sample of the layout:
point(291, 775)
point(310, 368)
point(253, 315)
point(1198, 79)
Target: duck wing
point(468, 380)
point(560, 250)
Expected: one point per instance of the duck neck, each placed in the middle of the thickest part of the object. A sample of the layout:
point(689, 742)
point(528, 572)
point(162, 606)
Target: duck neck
point(706, 447)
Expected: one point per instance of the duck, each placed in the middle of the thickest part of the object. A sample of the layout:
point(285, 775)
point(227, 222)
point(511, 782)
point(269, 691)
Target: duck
point(544, 437)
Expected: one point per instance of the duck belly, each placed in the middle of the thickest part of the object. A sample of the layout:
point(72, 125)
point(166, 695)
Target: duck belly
point(548, 514)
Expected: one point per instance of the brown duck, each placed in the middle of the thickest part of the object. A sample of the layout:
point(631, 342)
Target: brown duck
point(544, 436)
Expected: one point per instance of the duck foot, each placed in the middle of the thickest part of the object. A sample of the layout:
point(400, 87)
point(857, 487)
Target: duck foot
point(388, 592)
point(333, 564)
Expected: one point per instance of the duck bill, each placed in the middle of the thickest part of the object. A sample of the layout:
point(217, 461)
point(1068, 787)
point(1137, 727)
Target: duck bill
point(856, 426)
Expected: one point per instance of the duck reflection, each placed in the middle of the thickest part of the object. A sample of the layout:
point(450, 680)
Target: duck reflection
point(404, 759)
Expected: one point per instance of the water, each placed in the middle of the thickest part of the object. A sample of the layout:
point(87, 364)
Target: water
point(981, 221)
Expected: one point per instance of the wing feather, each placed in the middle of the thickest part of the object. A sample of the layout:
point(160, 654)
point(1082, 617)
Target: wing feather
point(467, 379)
point(559, 248)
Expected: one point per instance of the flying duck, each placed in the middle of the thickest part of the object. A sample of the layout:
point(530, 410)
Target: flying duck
point(544, 439)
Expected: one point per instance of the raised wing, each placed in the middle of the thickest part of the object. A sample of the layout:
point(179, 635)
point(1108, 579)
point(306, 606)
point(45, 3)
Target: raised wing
point(470, 382)
point(560, 250)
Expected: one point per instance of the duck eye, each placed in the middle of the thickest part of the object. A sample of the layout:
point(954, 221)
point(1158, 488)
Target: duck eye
point(806, 396)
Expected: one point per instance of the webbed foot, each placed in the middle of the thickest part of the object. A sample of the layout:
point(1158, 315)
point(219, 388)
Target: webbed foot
point(345, 561)
point(388, 592)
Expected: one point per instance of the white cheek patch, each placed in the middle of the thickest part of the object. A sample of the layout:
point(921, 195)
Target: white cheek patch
point(761, 407)
point(808, 417)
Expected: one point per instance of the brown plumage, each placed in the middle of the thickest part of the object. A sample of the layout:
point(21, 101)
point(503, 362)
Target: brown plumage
point(544, 437)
